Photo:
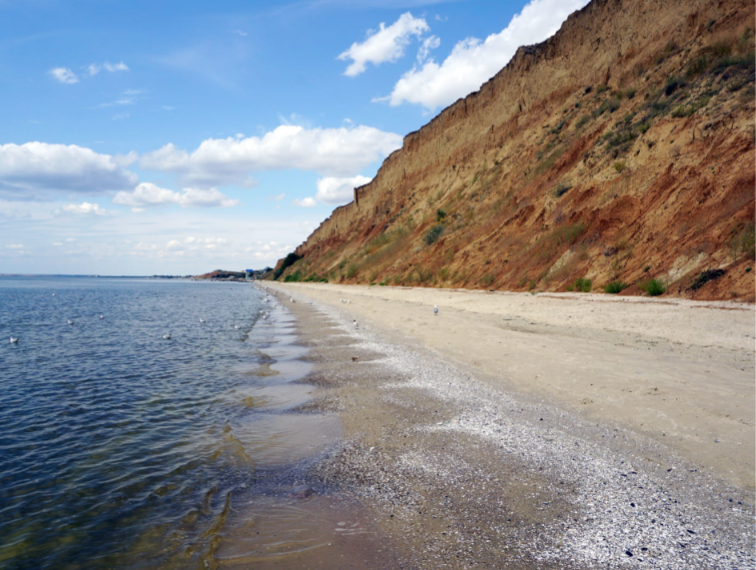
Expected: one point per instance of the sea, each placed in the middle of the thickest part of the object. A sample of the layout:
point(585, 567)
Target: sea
point(121, 448)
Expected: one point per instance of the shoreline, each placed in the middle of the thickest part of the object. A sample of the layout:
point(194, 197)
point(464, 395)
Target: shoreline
point(442, 447)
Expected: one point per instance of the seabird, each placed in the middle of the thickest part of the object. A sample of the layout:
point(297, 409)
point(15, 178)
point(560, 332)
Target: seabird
point(70, 322)
point(236, 327)
point(167, 336)
point(435, 309)
point(355, 324)
point(101, 317)
point(13, 340)
point(202, 320)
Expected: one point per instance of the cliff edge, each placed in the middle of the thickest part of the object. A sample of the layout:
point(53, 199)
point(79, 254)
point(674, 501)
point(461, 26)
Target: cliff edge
point(618, 154)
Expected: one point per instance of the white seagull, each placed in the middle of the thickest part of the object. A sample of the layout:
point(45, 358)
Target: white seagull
point(355, 324)
point(167, 336)
point(101, 317)
point(435, 309)
point(202, 320)
point(70, 322)
point(13, 340)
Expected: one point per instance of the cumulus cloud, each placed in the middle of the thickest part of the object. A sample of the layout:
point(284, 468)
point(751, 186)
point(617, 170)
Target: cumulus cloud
point(332, 190)
point(37, 171)
point(64, 75)
point(386, 44)
point(472, 62)
point(308, 202)
point(219, 162)
point(147, 195)
point(85, 208)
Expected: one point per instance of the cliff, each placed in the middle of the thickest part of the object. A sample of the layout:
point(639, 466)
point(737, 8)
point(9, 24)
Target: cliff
point(619, 151)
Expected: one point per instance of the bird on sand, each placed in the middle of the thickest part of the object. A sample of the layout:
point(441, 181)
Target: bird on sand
point(355, 324)
point(13, 340)
point(435, 309)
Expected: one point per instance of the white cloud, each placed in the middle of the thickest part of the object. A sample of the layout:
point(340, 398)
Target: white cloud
point(219, 162)
point(386, 44)
point(15, 246)
point(428, 44)
point(95, 68)
point(333, 190)
point(473, 62)
point(36, 171)
point(113, 67)
point(120, 116)
point(64, 75)
point(85, 208)
point(276, 197)
point(147, 195)
point(308, 202)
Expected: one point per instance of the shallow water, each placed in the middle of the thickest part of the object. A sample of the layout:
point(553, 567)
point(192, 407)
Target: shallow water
point(119, 448)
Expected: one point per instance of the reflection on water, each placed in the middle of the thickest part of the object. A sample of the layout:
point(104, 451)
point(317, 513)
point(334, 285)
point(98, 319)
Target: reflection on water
point(119, 449)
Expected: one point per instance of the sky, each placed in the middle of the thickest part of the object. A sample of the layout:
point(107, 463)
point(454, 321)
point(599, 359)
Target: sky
point(179, 137)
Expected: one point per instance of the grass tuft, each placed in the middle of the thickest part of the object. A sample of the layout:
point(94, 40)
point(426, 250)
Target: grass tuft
point(615, 287)
point(653, 287)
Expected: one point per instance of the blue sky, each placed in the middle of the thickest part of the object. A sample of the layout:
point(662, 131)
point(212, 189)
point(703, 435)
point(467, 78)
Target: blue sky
point(173, 137)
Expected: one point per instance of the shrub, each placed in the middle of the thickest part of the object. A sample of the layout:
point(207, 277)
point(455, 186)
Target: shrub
point(351, 271)
point(561, 190)
point(440, 215)
point(743, 241)
point(432, 235)
point(293, 278)
point(697, 66)
point(620, 166)
point(583, 120)
point(291, 259)
point(615, 287)
point(653, 287)
point(612, 105)
point(583, 284)
point(487, 280)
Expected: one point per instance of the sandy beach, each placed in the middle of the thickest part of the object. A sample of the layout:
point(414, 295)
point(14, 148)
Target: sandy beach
point(549, 430)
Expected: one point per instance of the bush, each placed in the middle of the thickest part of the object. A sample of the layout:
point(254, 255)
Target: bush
point(654, 287)
point(351, 271)
point(620, 166)
point(433, 234)
point(440, 215)
point(615, 287)
point(293, 278)
point(561, 190)
point(582, 284)
point(291, 259)
point(743, 241)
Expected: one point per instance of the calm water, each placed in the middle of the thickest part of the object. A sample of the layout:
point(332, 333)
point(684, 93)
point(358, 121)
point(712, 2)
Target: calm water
point(119, 449)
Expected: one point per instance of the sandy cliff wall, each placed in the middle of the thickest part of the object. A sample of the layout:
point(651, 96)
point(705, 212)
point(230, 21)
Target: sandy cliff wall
point(620, 150)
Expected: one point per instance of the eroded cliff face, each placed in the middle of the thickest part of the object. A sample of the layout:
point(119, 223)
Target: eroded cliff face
point(620, 150)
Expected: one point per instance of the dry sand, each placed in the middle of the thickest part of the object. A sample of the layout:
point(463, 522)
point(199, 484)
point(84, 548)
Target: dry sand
point(680, 372)
point(547, 431)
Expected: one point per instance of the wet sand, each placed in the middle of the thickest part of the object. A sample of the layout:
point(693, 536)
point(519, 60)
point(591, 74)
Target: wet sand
point(513, 431)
